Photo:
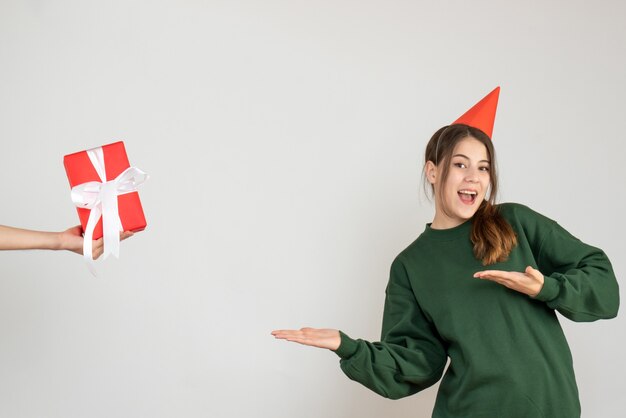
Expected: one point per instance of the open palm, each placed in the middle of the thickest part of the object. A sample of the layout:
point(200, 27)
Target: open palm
point(315, 337)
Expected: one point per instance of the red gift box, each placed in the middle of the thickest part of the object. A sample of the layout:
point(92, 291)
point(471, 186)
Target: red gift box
point(80, 169)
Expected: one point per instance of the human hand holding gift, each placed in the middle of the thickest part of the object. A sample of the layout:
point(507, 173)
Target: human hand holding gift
point(71, 239)
point(104, 190)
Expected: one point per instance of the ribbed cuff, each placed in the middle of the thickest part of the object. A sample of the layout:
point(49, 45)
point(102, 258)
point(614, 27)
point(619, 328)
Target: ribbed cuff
point(347, 347)
point(550, 289)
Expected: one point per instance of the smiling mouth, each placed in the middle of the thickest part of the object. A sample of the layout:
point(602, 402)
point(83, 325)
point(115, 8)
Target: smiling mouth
point(467, 196)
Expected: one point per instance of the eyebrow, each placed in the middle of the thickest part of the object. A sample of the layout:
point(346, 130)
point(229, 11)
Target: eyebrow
point(467, 158)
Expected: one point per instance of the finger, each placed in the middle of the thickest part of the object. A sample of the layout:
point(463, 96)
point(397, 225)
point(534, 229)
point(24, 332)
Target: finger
point(488, 272)
point(304, 341)
point(304, 336)
point(97, 248)
point(96, 253)
point(126, 234)
point(495, 274)
point(300, 331)
point(281, 331)
point(485, 276)
point(532, 271)
point(286, 333)
point(313, 340)
point(492, 276)
point(281, 335)
point(294, 338)
point(499, 280)
point(494, 279)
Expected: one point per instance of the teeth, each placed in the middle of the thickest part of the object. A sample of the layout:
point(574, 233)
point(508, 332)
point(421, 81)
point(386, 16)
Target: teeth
point(469, 192)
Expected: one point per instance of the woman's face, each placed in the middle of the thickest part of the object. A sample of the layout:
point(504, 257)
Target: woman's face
point(466, 186)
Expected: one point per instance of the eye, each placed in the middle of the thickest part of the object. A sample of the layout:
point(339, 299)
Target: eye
point(486, 169)
point(460, 165)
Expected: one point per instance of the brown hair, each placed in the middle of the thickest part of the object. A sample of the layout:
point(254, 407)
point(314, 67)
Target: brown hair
point(492, 236)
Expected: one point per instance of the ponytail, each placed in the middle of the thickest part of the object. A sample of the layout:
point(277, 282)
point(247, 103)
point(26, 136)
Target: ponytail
point(492, 236)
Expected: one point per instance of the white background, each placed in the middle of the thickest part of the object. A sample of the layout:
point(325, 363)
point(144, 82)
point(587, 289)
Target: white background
point(284, 140)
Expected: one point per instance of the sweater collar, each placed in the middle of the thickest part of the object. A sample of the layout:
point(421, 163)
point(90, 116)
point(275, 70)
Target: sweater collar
point(459, 231)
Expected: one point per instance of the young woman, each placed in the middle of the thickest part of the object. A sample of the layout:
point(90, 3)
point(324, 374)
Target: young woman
point(480, 287)
point(70, 239)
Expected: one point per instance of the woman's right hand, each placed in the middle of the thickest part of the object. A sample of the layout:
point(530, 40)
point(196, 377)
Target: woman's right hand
point(315, 337)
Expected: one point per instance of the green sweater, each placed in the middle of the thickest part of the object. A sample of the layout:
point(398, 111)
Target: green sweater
point(508, 354)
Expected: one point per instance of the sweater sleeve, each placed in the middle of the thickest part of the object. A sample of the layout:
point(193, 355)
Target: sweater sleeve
point(579, 280)
point(410, 357)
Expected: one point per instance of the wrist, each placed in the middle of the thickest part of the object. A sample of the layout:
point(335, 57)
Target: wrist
point(347, 346)
point(57, 242)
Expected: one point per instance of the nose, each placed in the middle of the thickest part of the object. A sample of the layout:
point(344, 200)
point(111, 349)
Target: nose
point(471, 176)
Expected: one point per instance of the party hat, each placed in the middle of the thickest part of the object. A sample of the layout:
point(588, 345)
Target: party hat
point(482, 114)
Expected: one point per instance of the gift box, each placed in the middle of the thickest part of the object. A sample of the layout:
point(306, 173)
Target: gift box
point(99, 166)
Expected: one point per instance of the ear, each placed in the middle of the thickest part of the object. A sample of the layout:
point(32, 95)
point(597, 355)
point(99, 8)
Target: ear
point(431, 172)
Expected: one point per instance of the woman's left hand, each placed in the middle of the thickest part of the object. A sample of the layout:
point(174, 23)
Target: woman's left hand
point(530, 282)
point(72, 240)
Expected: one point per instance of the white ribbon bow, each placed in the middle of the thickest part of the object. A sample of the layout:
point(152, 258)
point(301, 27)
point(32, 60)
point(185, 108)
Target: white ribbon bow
point(101, 198)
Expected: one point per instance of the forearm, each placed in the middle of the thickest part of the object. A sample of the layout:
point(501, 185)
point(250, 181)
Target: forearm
point(584, 294)
point(579, 279)
point(24, 239)
point(391, 370)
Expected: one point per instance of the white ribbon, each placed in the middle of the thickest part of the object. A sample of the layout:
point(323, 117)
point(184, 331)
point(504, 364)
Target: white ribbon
point(101, 198)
